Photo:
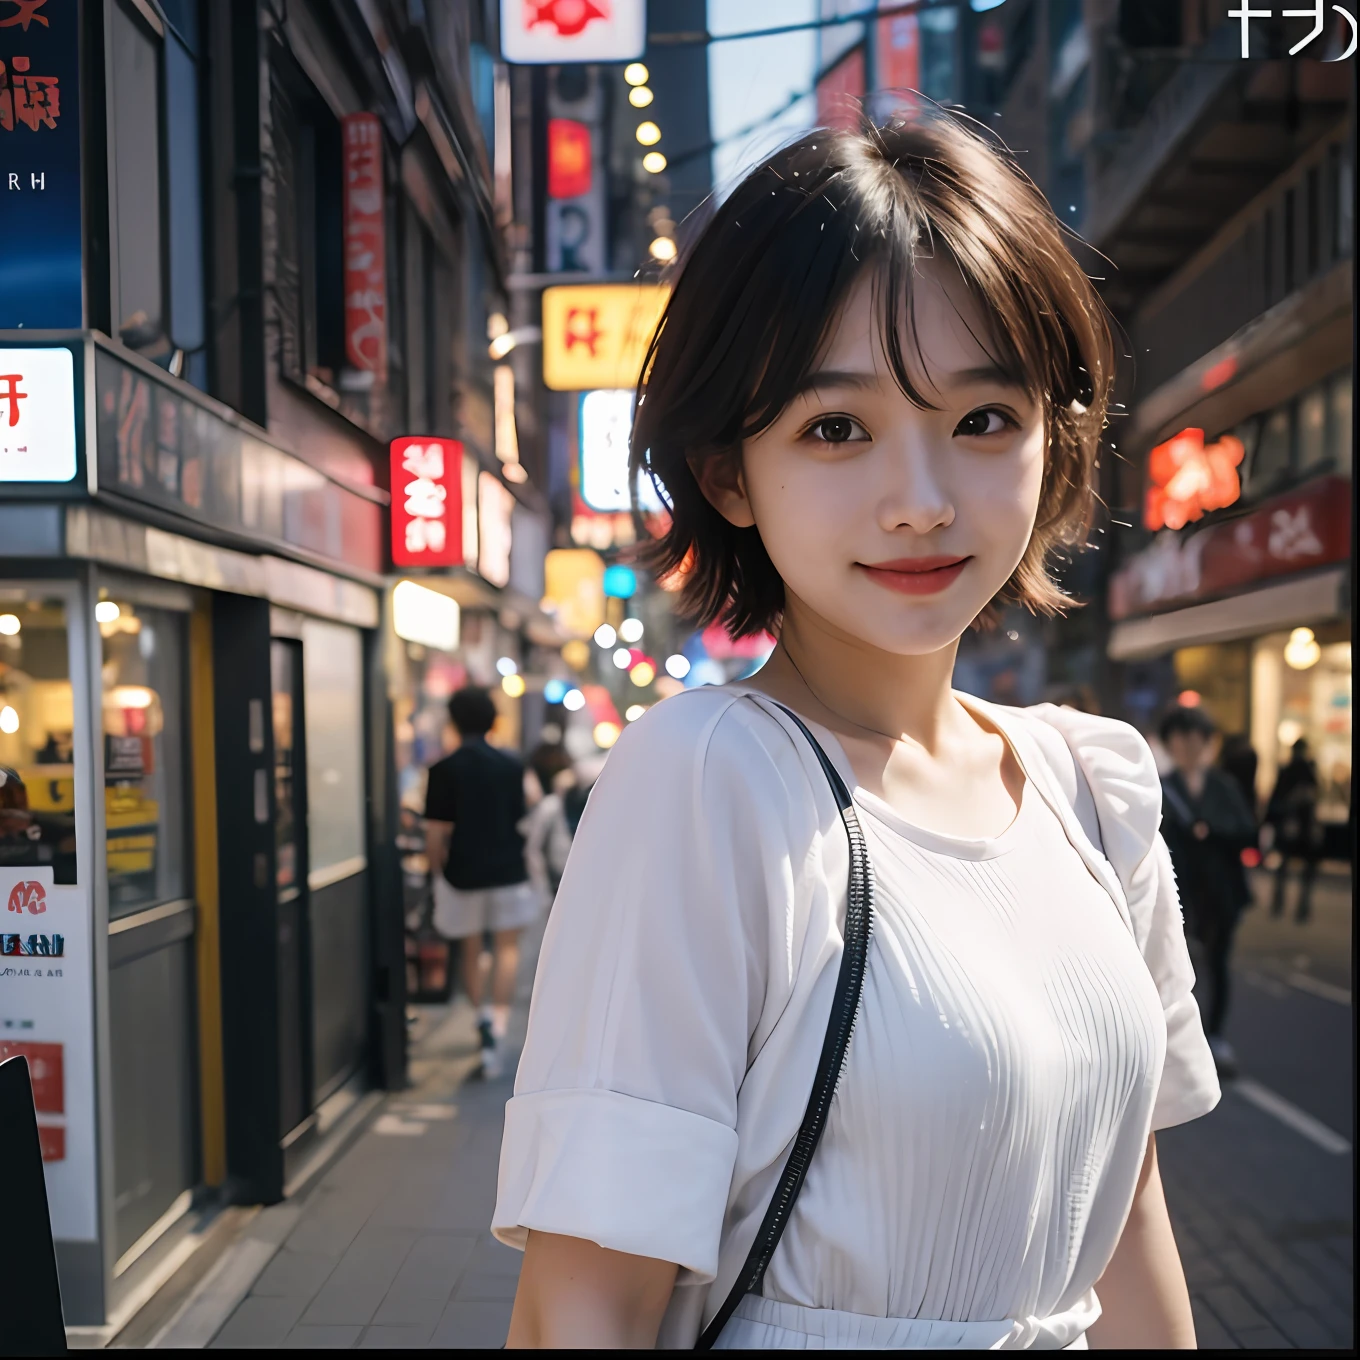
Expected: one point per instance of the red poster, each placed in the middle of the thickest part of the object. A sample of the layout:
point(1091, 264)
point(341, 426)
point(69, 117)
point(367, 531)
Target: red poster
point(897, 53)
point(365, 247)
point(840, 91)
point(568, 158)
point(427, 502)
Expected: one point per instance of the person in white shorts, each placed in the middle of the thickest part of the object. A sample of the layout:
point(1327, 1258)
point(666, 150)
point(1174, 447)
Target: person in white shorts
point(474, 804)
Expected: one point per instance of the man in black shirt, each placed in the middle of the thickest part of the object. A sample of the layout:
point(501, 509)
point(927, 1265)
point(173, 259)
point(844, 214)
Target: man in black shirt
point(474, 803)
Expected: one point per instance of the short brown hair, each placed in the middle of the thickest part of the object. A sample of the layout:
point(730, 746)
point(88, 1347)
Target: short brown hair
point(756, 294)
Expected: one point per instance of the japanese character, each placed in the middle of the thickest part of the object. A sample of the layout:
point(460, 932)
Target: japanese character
point(425, 498)
point(28, 99)
point(27, 14)
point(12, 394)
point(424, 460)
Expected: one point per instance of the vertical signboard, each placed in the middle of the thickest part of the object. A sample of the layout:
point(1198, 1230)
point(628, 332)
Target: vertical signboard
point(40, 263)
point(574, 214)
point(46, 988)
point(495, 505)
point(537, 31)
point(365, 248)
point(427, 503)
point(897, 56)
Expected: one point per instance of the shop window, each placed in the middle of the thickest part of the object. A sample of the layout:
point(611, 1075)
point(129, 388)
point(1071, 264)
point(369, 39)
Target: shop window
point(145, 759)
point(37, 720)
point(1314, 452)
point(333, 714)
point(1214, 677)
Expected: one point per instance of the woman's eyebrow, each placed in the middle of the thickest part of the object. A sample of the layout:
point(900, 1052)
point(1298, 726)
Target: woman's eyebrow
point(836, 377)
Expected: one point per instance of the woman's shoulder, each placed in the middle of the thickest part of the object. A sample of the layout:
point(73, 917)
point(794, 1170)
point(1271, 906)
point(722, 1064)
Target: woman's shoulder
point(1113, 760)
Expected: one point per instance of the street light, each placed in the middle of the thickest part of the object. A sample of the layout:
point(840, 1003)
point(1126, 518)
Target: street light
point(635, 73)
point(663, 249)
point(648, 133)
point(640, 96)
point(630, 630)
point(654, 162)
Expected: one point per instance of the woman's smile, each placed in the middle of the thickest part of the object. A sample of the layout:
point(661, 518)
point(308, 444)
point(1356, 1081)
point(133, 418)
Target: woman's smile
point(915, 575)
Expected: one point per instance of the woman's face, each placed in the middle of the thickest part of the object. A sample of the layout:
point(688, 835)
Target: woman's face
point(898, 525)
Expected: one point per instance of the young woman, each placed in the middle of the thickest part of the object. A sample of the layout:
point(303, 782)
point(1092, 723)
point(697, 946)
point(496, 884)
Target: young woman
point(874, 404)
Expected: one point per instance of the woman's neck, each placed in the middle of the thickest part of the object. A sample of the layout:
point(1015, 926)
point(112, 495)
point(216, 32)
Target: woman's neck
point(869, 689)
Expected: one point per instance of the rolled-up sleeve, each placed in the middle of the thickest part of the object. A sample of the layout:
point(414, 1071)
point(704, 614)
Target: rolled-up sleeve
point(652, 977)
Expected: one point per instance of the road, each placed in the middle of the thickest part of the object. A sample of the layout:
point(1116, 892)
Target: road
point(1261, 1190)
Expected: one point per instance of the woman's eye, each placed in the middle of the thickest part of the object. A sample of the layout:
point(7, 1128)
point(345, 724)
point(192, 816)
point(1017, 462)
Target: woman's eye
point(837, 430)
point(988, 420)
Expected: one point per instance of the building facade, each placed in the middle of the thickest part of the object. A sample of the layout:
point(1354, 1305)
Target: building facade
point(252, 246)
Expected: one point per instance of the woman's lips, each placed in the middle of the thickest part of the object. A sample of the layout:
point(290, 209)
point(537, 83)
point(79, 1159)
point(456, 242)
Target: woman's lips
point(915, 575)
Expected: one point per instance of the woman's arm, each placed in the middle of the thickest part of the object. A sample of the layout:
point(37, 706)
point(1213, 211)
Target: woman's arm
point(576, 1295)
point(1144, 1303)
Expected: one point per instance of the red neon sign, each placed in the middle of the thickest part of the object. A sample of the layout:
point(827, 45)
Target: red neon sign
point(568, 158)
point(427, 502)
point(365, 247)
point(1189, 477)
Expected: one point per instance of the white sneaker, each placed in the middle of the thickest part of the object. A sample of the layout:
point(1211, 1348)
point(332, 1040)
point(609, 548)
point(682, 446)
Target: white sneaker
point(491, 1062)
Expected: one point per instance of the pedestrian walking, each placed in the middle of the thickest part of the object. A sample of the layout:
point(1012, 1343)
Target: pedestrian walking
point(1239, 760)
point(741, 1118)
point(1291, 813)
point(1207, 825)
point(474, 807)
point(552, 823)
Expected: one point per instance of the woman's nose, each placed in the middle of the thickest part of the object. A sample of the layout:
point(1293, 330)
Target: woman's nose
point(915, 496)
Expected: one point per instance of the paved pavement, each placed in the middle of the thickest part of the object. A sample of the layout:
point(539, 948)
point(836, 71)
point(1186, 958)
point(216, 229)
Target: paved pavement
point(390, 1248)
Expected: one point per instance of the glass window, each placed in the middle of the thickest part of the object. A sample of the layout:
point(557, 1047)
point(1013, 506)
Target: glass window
point(1272, 458)
point(1313, 450)
point(134, 62)
point(333, 717)
point(1341, 433)
point(37, 719)
point(145, 758)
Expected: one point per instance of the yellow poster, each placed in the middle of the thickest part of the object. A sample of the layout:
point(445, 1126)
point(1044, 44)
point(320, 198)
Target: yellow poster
point(596, 335)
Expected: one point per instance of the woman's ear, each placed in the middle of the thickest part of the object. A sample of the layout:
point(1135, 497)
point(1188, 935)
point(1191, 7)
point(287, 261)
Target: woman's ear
point(720, 479)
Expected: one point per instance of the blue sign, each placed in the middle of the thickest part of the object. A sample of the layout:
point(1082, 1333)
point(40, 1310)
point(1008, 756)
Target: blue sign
point(620, 582)
point(40, 265)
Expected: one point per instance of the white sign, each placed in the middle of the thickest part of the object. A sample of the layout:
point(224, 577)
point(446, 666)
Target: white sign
point(534, 32)
point(37, 415)
point(46, 1016)
point(495, 505)
point(606, 423)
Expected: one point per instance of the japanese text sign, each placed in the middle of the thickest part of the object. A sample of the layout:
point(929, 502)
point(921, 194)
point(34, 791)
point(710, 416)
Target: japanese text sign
point(569, 158)
point(365, 247)
point(537, 31)
point(37, 415)
point(596, 335)
point(427, 502)
point(40, 266)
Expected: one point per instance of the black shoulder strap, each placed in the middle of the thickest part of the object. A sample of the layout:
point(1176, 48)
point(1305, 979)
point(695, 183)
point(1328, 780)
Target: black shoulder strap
point(845, 1005)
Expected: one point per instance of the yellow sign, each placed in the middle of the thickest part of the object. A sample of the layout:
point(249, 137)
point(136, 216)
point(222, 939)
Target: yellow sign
point(596, 335)
point(573, 581)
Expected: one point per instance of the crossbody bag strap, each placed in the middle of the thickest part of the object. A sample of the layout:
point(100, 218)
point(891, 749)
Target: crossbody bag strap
point(844, 1007)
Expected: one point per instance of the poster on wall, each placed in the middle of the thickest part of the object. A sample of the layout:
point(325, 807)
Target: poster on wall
point(45, 1015)
point(40, 266)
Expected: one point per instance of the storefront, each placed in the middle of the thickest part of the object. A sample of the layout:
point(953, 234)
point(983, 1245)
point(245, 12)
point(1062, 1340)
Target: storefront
point(194, 780)
point(1250, 618)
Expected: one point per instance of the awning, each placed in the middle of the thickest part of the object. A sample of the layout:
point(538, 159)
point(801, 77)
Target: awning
point(1318, 598)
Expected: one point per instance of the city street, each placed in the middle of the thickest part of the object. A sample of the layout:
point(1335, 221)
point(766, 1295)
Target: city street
point(390, 1247)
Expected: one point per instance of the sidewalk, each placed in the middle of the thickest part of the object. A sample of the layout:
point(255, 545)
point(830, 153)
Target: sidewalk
point(390, 1248)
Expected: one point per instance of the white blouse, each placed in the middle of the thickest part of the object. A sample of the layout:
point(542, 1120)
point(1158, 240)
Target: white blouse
point(1026, 1020)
